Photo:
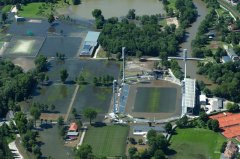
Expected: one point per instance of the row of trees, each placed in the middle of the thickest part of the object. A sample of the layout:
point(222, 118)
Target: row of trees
point(24, 2)
point(103, 80)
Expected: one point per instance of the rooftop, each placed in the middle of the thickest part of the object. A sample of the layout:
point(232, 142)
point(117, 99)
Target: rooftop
point(92, 36)
point(189, 92)
point(73, 127)
point(144, 128)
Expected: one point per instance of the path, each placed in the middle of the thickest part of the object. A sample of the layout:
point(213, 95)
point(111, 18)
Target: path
point(71, 103)
point(16, 154)
point(82, 136)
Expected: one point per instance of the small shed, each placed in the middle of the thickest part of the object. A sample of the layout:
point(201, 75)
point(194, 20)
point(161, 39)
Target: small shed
point(90, 44)
point(203, 99)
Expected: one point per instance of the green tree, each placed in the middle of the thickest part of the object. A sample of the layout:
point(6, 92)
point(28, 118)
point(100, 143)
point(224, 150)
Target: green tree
point(140, 141)
point(215, 125)
point(76, 2)
point(203, 116)
point(131, 14)
point(74, 112)
point(168, 127)
point(41, 63)
point(96, 13)
point(151, 134)
point(4, 17)
point(52, 107)
point(84, 152)
point(60, 121)
point(132, 151)
point(159, 154)
point(36, 113)
point(90, 113)
point(51, 18)
point(63, 75)
point(182, 123)
point(232, 107)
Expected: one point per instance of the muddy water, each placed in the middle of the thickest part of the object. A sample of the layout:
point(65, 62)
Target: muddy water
point(191, 34)
point(113, 8)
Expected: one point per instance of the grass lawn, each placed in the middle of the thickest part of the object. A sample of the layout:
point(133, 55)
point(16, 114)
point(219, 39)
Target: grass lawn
point(107, 140)
point(6, 8)
point(31, 10)
point(196, 143)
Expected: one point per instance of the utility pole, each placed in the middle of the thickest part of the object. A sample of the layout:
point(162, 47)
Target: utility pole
point(123, 57)
point(114, 96)
point(185, 62)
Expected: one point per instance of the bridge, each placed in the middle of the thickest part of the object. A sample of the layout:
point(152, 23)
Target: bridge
point(189, 58)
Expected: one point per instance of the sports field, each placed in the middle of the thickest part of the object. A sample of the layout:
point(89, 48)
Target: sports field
point(107, 140)
point(155, 99)
point(196, 143)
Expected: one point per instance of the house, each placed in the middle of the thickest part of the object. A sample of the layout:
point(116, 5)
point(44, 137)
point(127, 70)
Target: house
point(90, 44)
point(73, 131)
point(231, 53)
point(19, 19)
point(226, 59)
point(143, 129)
point(230, 150)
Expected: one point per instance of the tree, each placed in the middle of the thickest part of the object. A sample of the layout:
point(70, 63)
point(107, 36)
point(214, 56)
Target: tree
point(60, 121)
point(215, 125)
point(232, 107)
point(4, 17)
point(51, 18)
point(182, 123)
point(84, 152)
point(18, 6)
point(36, 113)
point(96, 13)
point(203, 116)
point(131, 14)
point(224, 144)
point(168, 127)
point(140, 141)
point(132, 151)
point(151, 134)
point(90, 113)
point(76, 2)
point(74, 112)
point(159, 154)
point(63, 75)
point(41, 63)
point(52, 107)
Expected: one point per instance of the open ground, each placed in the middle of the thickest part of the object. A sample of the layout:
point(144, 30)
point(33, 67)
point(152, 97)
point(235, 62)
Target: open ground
point(196, 143)
point(107, 140)
point(154, 99)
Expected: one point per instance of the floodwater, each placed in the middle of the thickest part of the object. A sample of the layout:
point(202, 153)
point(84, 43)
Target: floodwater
point(113, 8)
point(191, 34)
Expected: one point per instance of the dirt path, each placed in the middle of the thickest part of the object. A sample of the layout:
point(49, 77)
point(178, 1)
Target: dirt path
point(71, 103)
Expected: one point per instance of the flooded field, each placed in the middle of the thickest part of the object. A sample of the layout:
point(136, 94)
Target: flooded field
point(113, 8)
point(69, 46)
point(53, 145)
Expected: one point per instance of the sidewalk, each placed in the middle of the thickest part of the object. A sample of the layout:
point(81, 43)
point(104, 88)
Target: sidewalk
point(16, 154)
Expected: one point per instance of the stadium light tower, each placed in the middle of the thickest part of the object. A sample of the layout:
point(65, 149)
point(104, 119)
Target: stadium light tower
point(123, 57)
point(185, 62)
point(114, 96)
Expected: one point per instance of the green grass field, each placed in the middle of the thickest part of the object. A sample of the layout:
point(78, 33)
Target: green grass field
point(108, 140)
point(30, 10)
point(155, 100)
point(6, 8)
point(196, 143)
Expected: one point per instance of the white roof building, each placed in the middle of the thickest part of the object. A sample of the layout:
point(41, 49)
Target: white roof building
point(189, 95)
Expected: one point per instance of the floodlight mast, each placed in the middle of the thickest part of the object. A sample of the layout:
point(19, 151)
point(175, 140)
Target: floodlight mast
point(114, 96)
point(185, 62)
point(123, 57)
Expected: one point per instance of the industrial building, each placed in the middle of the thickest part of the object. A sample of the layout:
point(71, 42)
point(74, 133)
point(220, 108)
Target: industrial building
point(90, 44)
